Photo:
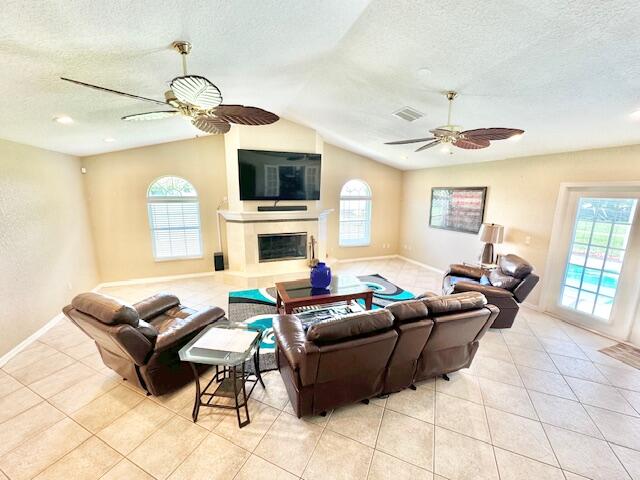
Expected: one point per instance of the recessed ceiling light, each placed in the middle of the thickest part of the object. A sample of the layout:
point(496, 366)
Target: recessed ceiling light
point(515, 138)
point(64, 119)
point(635, 115)
point(424, 72)
point(109, 139)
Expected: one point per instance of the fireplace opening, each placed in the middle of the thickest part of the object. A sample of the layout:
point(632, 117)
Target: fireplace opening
point(274, 247)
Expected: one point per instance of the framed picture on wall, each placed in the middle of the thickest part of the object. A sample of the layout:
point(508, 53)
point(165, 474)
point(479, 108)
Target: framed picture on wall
point(457, 208)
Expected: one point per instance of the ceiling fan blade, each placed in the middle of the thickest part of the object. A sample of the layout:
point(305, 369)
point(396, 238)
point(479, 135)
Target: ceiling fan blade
point(130, 95)
point(245, 115)
point(197, 91)
point(428, 145)
point(492, 133)
point(136, 117)
point(414, 140)
point(211, 124)
point(471, 144)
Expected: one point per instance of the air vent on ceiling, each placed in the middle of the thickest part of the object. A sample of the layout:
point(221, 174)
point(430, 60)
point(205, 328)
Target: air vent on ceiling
point(409, 114)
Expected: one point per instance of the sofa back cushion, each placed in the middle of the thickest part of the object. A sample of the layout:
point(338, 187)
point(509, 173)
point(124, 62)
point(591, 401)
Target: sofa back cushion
point(458, 302)
point(514, 266)
point(350, 326)
point(107, 310)
point(408, 311)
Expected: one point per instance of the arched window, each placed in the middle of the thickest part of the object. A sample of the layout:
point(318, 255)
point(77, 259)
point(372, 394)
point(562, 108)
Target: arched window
point(355, 214)
point(174, 219)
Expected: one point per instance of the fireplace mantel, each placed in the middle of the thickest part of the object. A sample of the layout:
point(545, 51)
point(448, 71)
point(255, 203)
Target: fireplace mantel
point(236, 216)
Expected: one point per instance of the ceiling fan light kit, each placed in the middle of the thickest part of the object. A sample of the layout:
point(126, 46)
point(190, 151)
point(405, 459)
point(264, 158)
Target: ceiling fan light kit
point(450, 134)
point(194, 97)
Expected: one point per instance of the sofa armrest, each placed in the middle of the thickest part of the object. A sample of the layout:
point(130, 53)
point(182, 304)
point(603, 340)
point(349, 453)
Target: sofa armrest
point(522, 291)
point(183, 328)
point(155, 305)
point(487, 290)
point(301, 354)
point(459, 270)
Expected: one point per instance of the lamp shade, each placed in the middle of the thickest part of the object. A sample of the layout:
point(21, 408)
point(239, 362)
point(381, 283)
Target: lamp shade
point(491, 233)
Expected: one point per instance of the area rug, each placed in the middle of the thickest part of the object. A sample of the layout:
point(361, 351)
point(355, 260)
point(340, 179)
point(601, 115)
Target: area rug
point(257, 307)
point(625, 353)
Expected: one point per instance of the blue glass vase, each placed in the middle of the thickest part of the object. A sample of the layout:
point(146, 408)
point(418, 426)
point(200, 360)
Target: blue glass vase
point(320, 276)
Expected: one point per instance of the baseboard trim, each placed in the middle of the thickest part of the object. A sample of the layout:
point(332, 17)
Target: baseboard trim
point(533, 306)
point(141, 281)
point(423, 265)
point(30, 339)
point(365, 259)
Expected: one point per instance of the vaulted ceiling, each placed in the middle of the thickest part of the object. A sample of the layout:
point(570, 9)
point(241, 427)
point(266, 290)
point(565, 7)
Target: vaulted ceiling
point(567, 72)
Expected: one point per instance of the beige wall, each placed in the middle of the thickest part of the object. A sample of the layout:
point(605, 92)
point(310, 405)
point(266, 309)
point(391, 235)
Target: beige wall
point(339, 166)
point(46, 252)
point(521, 196)
point(116, 187)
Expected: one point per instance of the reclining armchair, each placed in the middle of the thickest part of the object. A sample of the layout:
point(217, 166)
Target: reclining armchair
point(141, 341)
point(505, 286)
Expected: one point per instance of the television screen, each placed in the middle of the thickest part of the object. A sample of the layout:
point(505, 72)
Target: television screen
point(278, 175)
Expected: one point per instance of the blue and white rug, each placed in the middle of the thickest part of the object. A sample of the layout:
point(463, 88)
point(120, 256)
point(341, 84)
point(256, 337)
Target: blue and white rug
point(258, 307)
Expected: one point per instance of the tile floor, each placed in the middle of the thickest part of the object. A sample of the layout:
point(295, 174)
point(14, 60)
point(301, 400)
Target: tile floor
point(539, 402)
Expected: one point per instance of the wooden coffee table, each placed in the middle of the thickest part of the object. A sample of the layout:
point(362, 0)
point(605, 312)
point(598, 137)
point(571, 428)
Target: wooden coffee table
point(299, 293)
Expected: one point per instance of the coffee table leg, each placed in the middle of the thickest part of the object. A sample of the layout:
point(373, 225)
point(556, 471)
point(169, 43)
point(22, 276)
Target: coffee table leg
point(196, 404)
point(368, 301)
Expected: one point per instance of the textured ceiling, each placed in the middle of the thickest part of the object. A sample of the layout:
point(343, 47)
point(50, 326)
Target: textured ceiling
point(567, 72)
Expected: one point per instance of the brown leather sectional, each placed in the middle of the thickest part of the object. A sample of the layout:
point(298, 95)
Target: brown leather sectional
point(356, 357)
point(505, 287)
point(141, 341)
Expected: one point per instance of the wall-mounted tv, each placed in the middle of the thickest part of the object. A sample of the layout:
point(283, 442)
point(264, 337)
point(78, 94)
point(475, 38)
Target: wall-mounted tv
point(268, 175)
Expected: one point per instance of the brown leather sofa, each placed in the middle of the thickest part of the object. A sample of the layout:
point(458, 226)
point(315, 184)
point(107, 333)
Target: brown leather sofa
point(505, 287)
point(336, 362)
point(356, 357)
point(141, 341)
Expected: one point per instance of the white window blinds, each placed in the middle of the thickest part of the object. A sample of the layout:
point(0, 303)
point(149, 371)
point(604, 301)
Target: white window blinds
point(355, 214)
point(174, 219)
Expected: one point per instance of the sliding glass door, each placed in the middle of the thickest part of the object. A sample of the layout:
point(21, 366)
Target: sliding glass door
point(596, 274)
point(601, 234)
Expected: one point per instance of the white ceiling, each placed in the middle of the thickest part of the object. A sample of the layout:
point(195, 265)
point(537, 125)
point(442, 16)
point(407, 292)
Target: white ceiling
point(567, 72)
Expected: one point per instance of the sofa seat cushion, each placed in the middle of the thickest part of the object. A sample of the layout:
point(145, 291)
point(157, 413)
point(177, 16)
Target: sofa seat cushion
point(153, 306)
point(107, 310)
point(350, 326)
point(500, 280)
point(178, 324)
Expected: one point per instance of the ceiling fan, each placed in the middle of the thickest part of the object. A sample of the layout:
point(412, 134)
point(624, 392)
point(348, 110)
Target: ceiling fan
point(198, 99)
point(453, 134)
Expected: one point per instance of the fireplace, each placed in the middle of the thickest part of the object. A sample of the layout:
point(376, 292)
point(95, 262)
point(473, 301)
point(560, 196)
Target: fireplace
point(274, 247)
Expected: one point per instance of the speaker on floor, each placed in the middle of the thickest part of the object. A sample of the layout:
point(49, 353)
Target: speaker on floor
point(218, 261)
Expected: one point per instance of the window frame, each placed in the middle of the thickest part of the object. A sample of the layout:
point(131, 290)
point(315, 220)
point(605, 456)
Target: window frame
point(151, 199)
point(363, 242)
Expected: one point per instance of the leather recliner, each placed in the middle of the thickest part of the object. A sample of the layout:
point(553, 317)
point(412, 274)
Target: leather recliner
point(505, 286)
point(436, 335)
point(141, 341)
point(336, 362)
point(459, 322)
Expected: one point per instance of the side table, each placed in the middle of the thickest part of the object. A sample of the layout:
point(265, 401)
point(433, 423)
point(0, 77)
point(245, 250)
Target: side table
point(230, 378)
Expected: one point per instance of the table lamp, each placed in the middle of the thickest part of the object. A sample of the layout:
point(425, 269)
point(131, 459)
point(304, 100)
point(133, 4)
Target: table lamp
point(491, 233)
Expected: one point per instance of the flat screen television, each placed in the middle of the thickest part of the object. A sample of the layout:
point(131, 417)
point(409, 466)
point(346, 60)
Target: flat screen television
point(268, 175)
